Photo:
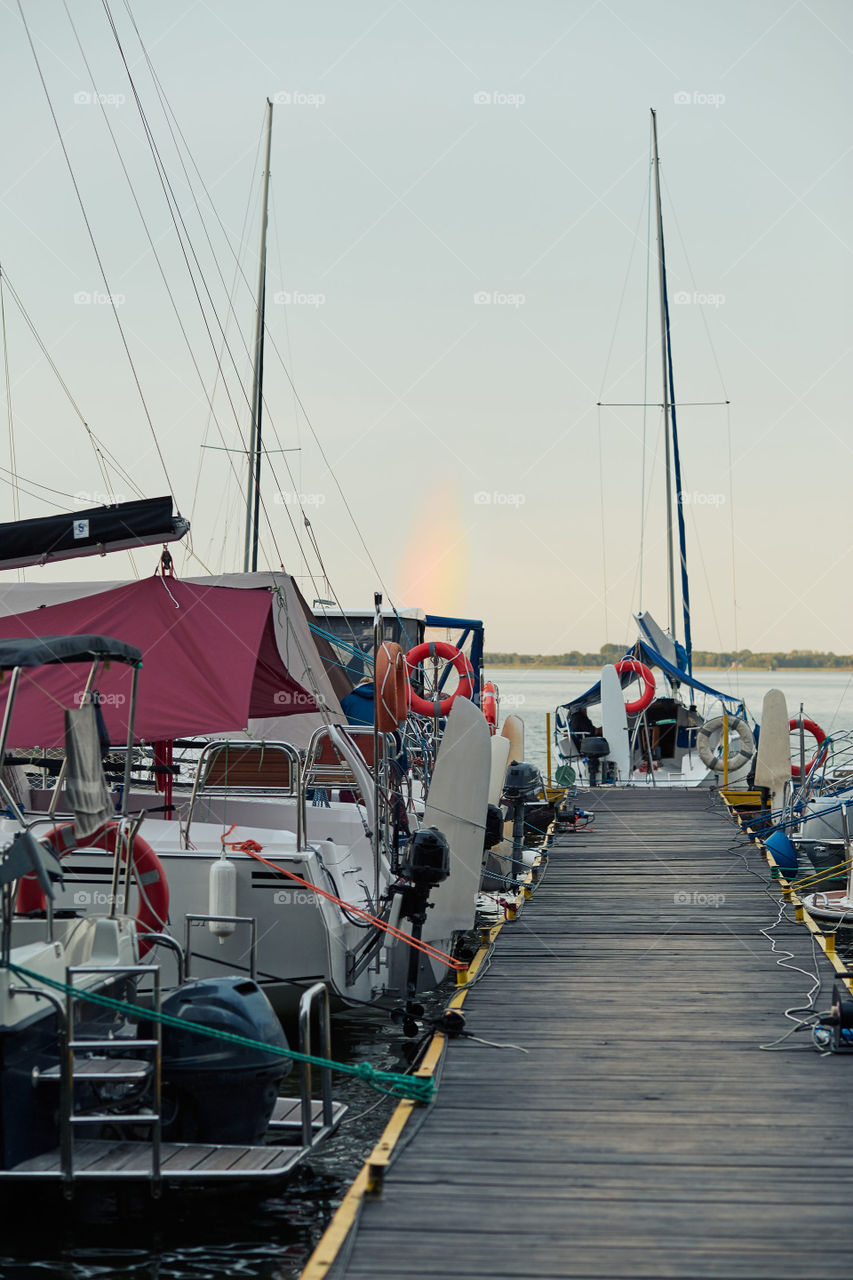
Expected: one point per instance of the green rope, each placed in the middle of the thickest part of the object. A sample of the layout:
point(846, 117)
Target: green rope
point(398, 1085)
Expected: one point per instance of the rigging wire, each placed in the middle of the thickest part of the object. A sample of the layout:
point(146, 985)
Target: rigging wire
point(169, 113)
point(13, 463)
point(151, 243)
point(635, 239)
point(105, 460)
point(174, 128)
point(97, 254)
point(174, 209)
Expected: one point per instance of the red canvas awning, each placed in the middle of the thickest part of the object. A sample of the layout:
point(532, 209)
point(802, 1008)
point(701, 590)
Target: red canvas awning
point(210, 662)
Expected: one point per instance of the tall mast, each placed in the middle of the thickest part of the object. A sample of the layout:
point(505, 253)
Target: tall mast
point(253, 493)
point(670, 558)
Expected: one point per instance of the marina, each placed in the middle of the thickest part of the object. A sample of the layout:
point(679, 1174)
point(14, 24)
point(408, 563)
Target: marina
point(426, 732)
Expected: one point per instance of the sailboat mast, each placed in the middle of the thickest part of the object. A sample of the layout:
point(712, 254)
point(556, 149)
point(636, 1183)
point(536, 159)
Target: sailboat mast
point(253, 493)
point(670, 550)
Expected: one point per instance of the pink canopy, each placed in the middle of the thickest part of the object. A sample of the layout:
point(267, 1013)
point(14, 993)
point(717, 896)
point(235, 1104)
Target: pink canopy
point(210, 663)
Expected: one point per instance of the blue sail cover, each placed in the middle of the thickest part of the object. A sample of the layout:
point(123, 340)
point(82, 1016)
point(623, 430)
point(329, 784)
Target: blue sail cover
point(644, 651)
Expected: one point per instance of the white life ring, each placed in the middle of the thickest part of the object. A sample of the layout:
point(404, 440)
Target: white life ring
point(706, 750)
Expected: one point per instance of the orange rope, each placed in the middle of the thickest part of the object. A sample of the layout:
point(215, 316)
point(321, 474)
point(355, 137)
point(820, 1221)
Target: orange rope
point(252, 849)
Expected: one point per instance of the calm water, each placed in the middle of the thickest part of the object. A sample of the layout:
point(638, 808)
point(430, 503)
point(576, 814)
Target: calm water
point(827, 696)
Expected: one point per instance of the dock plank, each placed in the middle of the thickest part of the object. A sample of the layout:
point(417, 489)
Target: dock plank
point(644, 1132)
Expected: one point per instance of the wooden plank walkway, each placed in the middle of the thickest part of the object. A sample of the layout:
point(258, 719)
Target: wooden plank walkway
point(645, 1133)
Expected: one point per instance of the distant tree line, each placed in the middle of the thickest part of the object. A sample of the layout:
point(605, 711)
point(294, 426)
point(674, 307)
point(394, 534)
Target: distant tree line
point(701, 658)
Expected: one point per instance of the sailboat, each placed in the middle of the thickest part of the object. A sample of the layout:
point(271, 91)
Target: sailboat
point(279, 847)
point(659, 738)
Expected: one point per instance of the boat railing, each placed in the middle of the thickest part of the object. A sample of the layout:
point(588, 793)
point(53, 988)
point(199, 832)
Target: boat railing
point(250, 921)
point(315, 1002)
point(228, 766)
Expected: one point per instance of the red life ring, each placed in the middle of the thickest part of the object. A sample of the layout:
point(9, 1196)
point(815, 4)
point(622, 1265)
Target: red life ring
point(153, 911)
point(639, 669)
point(453, 655)
point(812, 727)
point(489, 706)
point(390, 692)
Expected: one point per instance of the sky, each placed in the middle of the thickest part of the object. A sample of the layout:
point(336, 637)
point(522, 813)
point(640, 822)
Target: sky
point(456, 277)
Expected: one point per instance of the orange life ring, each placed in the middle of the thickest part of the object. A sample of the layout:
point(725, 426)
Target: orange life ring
point(640, 669)
point(812, 727)
point(443, 649)
point(390, 692)
point(489, 706)
point(153, 910)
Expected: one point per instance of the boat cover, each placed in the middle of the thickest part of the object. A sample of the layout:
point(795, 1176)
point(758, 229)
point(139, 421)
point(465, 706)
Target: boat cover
point(142, 522)
point(310, 660)
point(209, 653)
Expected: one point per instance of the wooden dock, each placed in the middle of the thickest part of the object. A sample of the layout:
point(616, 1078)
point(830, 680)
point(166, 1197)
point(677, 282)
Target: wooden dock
point(644, 1133)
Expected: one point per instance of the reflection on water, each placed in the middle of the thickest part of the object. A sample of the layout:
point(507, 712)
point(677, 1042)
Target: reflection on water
point(531, 693)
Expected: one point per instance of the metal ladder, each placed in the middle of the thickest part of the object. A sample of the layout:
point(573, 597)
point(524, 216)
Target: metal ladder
point(109, 1070)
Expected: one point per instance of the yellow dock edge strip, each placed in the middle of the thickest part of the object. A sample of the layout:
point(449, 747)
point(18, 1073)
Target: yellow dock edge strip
point(369, 1178)
point(826, 941)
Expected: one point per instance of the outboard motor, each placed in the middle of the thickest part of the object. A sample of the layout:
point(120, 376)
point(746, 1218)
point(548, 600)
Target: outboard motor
point(521, 788)
point(494, 832)
point(214, 1091)
point(426, 863)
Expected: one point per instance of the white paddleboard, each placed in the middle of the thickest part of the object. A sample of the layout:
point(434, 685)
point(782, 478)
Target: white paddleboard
point(773, 765)
point(500, 760)
point(614, 722)
point(456, 803)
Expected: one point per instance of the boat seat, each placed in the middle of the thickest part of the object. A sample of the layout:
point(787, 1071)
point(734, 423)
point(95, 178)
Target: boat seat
point(252, 767)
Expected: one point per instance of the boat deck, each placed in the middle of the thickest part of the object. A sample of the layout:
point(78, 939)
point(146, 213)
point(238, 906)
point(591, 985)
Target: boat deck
point(644, 1133)
point(179, 1163)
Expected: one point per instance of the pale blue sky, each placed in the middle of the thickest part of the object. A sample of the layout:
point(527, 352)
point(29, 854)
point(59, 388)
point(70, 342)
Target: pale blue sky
point(397, 198)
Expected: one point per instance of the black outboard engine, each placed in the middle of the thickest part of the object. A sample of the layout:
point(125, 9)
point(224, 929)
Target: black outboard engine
point(494, 832)
point(426, 864)
point(522, 786)
point(214, 1091)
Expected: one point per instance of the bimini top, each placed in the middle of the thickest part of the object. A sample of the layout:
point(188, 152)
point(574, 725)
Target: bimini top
point(44, 651)
point(644, 651)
